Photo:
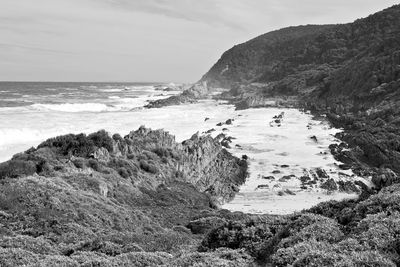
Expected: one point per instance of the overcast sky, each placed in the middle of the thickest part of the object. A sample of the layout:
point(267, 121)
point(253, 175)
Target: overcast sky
point(145, 40)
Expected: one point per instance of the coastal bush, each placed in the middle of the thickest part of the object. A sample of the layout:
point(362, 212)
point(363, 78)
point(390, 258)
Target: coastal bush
point(79, 145)
point(203, 225)
point(55, 260)
point(142, 259)
point(219, 258)
point(79, 163)
point(94, 164)
point(37, 245)
point(381, 232)
point(117, 137)
point(163, 152)
point(17, 168)
point(238, 235)
point(102, 139)
point(123, 172)
point(148, 167)
point(11, 257)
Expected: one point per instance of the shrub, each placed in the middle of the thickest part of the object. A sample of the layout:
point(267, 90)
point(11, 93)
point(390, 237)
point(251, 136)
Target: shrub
point(17, 168)
point(56, 260)
point(117, 137)
point(142, 259)
point(102, 139)
point(220, 258)
point(94, 164)
point(123, 172)
point(37, 245)
point(79, 163)
point(77, 145)
point(148, 167)
point(247, 235)
point(80, 144)
point(10, 257)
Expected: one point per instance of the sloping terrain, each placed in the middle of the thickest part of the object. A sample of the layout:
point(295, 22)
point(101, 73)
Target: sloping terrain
point(101, 201)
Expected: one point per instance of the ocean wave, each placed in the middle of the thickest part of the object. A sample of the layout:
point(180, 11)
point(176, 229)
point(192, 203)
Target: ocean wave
point(75, 107)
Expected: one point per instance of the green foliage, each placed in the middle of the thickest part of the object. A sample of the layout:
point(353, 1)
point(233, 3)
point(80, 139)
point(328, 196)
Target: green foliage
point(148, 167)
point(142, 259)
point(79, 163)
point(123, 172)
point(79, 145)
point(94, 164)
point(11, 257)
point(102, 139)
point(220, 257)
point(36, 245)
point(17, 168)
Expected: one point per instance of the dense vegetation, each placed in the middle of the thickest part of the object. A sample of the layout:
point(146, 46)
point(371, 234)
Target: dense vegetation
point(356, 63)
point(96, 200)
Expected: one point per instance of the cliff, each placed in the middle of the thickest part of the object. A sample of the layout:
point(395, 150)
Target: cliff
point(355, 63)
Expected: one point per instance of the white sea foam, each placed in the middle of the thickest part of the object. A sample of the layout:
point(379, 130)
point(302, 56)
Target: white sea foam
point(74, 107)
point(267, 147)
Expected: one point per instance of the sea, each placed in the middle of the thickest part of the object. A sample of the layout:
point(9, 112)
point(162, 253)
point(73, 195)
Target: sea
point(31, 112)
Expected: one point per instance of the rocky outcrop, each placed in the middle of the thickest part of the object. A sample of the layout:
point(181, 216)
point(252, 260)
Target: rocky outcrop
point(191, 95)
point(96, 200)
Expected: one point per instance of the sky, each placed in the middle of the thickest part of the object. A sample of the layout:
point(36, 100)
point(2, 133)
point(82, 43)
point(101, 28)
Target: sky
point(145, 40)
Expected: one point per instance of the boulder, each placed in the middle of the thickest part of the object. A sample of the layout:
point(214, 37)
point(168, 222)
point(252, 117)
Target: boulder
point(321, 173)
point(229, 122)
point(262, 186)
point(268, 177)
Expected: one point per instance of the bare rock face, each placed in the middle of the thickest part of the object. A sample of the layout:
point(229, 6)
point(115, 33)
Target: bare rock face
point(102, 155)
point(191, 95)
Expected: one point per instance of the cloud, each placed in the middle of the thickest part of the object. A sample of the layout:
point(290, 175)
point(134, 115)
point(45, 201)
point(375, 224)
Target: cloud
point(212, 12)
point(34, 49)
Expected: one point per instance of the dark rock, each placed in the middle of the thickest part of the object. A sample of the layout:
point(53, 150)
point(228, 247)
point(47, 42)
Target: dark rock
point(348, 187)
point(262, 186)
point(276, 171)
point(284, 166)
point(206, 119)
point(305, 179)
point(321, 173)
point(344, 166)
point(245, 157)
point(225, 143)
point(363, 186)
point(269, 177)
point(329, 185)
point(229, 122)
point(210, 131)
point(289, 192)
point(314, 138)
point(285, 178)
point(219, 124)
